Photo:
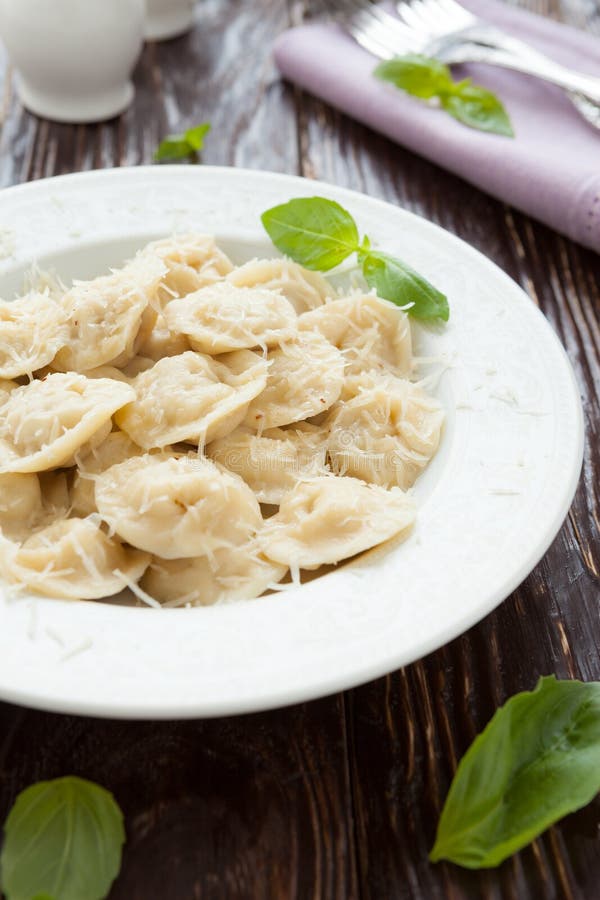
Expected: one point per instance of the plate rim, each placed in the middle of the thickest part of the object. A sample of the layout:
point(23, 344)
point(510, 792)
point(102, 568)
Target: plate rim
point(364, 672)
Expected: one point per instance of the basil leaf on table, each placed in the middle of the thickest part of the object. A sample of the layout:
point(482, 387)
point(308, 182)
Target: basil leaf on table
point(426, 78)
point(63, 840)
point(394, 280)
point(182, 146)
point(478, 108)
point(537, 760)
point(315, 232)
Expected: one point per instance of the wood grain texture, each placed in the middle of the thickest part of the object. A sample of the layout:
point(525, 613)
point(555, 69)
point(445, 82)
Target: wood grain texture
point(336, 799)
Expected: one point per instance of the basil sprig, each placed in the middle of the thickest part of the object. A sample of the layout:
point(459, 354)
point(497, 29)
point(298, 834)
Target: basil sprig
point(63, 840)
point(427, 78)
point(320, 234)
point(537, 760)
point(183, 146)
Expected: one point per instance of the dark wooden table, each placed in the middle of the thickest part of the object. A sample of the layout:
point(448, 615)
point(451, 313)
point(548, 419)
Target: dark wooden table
point(337, 798)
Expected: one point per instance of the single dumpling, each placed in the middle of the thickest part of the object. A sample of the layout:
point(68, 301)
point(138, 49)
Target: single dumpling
point(304, 289)
point(177, 507)
point(116, 448)
point(385, 432)
point(191, 260)
point(271, 463)
point(324, 520)
point(110, 316)
point(372, 333)
point(44, 423)
point(223, 317)
point(71, 559)
point(240, 575)
point(32, 331)
point(305, 378)
point(161, 342)
point(192, 398)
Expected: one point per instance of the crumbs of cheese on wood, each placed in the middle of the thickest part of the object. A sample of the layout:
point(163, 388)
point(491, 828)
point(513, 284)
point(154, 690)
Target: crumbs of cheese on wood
point(196, 432)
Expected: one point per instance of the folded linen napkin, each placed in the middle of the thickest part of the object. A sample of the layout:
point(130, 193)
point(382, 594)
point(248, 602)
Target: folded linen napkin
point(550, 170)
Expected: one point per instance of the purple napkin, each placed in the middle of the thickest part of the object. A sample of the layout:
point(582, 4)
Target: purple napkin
point(551, 170)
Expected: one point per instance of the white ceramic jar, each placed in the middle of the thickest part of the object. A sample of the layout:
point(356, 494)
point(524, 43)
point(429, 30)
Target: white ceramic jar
point(73, 58)
point(168, 18)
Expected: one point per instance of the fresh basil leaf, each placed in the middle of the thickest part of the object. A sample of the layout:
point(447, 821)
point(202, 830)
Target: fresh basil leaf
point(63, 839)
point(195, 136)
point(315, 232)
point(173, 147)
point(182, 146)
point(478, 108)
point(537, 760)
point(394, 280)
point(418, 75)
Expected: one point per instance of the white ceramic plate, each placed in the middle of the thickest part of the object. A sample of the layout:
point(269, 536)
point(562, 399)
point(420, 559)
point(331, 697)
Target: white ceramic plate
point(489, 505)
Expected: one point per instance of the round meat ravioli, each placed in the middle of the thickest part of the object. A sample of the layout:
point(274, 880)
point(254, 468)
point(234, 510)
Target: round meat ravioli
point(304, 289)
point(324, 520)
point(223, 317)
point(32, 331)
point(177, 507)
point(110, 316)
point(191, 260)
point(44, 423)
point(72, 559)
point(239, 575)
point(385, 432)
point(305, 378)
point(192, 398)
point(272, 463)
point(372, 333)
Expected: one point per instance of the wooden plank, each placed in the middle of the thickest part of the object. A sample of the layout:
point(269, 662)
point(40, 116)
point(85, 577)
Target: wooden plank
point(256, 806)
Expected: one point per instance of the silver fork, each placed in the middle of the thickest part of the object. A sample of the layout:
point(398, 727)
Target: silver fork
point(447, 31)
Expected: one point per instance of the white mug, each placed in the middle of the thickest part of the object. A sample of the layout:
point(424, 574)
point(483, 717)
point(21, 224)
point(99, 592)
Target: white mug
point(73, 58)
point(168, 18)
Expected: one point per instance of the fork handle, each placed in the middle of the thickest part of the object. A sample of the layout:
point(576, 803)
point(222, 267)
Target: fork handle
point(490, 45)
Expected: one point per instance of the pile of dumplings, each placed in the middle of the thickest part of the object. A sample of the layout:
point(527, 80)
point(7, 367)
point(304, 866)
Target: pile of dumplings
point(198, 432)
